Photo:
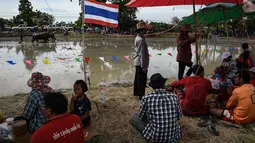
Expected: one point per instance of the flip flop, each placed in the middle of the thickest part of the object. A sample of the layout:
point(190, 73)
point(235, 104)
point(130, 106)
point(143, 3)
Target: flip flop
point(213, 130)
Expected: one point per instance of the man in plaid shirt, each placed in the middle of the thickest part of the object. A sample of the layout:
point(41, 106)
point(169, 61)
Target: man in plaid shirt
point(160, 112)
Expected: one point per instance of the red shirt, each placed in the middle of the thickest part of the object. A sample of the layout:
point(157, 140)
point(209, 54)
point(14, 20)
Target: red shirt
point(197, 89)
point(184, 48)
point(65, 128)
point(252, 82)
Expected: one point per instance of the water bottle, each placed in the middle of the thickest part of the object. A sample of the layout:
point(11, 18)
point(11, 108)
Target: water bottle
point(102, 96)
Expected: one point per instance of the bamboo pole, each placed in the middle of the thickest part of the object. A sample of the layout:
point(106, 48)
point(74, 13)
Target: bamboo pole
point(195, 22)
point(83, 46)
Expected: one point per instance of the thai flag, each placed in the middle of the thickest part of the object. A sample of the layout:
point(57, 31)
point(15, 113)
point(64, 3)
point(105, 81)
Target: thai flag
point(101, 13)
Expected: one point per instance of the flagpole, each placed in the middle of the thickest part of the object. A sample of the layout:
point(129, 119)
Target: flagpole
point(83, 45)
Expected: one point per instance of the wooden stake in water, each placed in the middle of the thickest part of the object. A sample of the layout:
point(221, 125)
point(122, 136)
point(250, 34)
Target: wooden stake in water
point(82, 28)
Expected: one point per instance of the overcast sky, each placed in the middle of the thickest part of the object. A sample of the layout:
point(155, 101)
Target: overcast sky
point(64, 10)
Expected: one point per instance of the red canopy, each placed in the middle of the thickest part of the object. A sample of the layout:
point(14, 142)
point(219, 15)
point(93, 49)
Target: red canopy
point(151, 3)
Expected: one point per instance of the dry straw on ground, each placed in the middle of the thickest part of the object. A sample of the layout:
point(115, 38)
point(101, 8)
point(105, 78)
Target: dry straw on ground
point(112, 120)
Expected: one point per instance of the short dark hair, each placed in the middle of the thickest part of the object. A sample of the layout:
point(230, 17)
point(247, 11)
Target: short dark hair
point(197, 69)
point(245, 46)
point(244, 75)
point(83, 85)
point(56, 101)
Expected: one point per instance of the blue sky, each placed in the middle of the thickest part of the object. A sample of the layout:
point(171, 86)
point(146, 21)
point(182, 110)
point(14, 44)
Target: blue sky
point(64, 10)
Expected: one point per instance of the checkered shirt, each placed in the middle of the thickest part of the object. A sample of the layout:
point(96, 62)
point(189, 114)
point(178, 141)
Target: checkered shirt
point(33, 112)
point(162, 111)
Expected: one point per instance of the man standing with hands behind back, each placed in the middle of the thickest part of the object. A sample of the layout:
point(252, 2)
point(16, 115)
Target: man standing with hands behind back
point(141, 60)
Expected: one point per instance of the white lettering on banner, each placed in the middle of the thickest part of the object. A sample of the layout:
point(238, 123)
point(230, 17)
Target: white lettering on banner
point(66, 131)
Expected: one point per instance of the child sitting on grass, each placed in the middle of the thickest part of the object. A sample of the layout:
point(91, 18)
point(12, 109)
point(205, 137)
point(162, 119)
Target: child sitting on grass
point(80, 104)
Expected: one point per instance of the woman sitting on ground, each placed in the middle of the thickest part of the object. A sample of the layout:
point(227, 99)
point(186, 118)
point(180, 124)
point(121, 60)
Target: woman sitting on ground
point(80, 104)
point(197, 89)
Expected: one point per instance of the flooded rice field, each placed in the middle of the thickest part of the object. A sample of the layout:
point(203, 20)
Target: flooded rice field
point(110, 61)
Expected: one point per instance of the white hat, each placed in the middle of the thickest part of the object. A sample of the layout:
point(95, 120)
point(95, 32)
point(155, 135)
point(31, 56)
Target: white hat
point(252, 69)
point(226, 55)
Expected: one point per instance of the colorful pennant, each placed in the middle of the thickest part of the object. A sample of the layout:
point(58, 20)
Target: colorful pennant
point(233, 48)
point(11, 62)
point(239, 48)
point(102, 59)
point(203, 51)
point(78, 59)
point(159, 54)
point(62, 59)
point(87, 60)
point(46, 61)
point(169, 54)
point(115, 58)
point(126, 57)
point(29, 62)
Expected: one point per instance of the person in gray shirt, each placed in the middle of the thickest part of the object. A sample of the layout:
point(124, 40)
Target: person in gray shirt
point(141, 60)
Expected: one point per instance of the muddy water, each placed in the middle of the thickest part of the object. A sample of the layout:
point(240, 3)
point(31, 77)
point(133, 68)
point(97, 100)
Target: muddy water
point(64, 72)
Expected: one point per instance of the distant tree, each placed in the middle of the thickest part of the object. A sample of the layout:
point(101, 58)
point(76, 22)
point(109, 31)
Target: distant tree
point(77, 23)
point(127, 16)
point(175, 20)
point(42, 18)
point(61, 23)
point(26, 11)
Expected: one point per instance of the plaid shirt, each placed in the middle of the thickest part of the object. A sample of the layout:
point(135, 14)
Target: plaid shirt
point(162, 111)
point(33, 111)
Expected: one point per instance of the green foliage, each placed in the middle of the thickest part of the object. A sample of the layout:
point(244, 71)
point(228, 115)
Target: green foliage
point(160, 26)
point(43, 18)
point(127, 16)
point(26, 12)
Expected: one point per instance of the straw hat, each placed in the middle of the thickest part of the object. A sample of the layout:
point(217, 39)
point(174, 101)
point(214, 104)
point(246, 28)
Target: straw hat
point(185, 27)
point(20, 132)
point(141, 25)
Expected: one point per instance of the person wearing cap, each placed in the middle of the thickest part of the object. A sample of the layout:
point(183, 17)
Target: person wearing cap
point(184, 54)
point(141, 60)
point(197, 88)
point(39, 84)
point(252, 76)
point(240, 106)
point(159, 113)
point(61, 127)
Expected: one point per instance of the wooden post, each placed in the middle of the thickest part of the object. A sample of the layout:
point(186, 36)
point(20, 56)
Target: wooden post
point(195, 22)
point(83, 46)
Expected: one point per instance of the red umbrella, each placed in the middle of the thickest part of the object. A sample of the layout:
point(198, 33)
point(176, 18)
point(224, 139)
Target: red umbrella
point(152, 3)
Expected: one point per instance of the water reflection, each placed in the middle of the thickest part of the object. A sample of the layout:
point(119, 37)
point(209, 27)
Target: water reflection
point(64, 69)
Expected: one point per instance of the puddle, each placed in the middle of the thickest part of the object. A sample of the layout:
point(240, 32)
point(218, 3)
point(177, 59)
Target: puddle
point(64, 69)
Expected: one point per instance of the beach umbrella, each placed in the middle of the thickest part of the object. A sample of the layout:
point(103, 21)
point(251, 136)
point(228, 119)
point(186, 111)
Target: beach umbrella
point(153, 3)
point(217, 12)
